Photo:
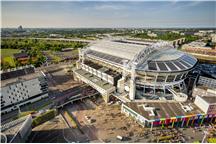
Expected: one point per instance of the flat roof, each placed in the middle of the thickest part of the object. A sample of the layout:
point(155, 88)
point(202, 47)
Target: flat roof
point(20, 55)
point(101, 83)
point(20, 78)
point(162, 109)
point(105, 57)
point(203, 91)
point(209, 99)
point(122, 50)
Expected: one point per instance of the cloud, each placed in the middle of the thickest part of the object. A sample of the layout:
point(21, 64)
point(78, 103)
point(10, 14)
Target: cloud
point(181, 4)
point(109, 7)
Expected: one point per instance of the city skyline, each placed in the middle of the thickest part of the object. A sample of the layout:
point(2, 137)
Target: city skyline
point(84, 14)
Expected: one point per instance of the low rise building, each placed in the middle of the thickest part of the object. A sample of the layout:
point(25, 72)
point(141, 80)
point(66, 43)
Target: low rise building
point(22, 57)
point(21, 88)
point(202, 52)
point(206, 103)
point(207, 82)
point(154, 114)
point(152, 34)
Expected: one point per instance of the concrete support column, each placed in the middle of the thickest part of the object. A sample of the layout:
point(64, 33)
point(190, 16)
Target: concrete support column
point(132, 83)
point(144, 89)
point(132, 90)
point(183, 120)
point(203, 117)
point(164, 89)
point(75, 77)
point(188, 121)
point(198, 120)
point(162, 123)
point(173, 121)
point(120, 85)
point(193, 121)
point(106, 97)
point(151, 125)
point(211, 119)
point(178, 121)
point(122, 109)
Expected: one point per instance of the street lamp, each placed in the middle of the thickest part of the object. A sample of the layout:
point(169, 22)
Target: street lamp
point(204, 137)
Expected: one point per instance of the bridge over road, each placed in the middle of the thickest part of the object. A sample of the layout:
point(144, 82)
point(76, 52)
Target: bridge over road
point(76, 98)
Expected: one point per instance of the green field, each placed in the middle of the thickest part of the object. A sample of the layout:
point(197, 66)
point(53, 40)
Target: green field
point(9, 60)
point(7, 56)
point(8, 52)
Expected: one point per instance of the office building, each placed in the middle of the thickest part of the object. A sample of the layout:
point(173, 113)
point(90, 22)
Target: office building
point(22, 86)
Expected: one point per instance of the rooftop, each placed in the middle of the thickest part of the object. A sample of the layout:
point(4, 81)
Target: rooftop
point(12, 73)
point(203, 91)
point(164, 110)
point(20, 55)
point(20, 78)
point(159, 56)
point(209, 99)
point(197, 44)
point(106, 57)
point(118, 49)
point(103, 84)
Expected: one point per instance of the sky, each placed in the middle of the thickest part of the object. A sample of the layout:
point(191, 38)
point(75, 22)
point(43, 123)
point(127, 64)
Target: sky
point(107, 14)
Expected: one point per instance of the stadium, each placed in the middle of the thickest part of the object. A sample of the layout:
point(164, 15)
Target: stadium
point(135, 70)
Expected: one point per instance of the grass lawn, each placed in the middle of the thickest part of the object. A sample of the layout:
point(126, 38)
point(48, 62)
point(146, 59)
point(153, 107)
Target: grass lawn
point(9, 60)
point(7, 56)
point(8, 52)
point(54, 57)
point(22, 114)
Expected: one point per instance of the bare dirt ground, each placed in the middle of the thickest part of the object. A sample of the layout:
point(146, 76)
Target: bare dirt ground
point(56, 131)
point(50, 131)
point(107, 121)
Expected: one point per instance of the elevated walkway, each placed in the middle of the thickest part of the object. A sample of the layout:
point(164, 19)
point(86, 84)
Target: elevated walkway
point(76, 98)
point(179, 97)
point(103, 87)
point(122, 97)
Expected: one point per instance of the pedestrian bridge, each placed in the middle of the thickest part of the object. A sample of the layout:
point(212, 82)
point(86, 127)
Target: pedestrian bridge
point(76, 98)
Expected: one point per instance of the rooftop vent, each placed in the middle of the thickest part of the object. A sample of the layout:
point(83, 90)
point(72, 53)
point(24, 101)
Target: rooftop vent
point(187, 108)
point(148, 109)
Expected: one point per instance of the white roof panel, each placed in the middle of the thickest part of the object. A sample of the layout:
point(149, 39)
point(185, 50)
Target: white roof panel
point(122, 50)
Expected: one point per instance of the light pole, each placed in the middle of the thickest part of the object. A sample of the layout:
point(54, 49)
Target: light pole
point(204, 137)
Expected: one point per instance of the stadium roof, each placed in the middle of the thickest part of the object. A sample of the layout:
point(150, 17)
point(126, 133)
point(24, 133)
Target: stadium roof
point(159, 56)
point(121, 50)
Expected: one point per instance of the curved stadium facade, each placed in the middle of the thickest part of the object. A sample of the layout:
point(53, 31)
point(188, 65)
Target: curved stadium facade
point(134, 69)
